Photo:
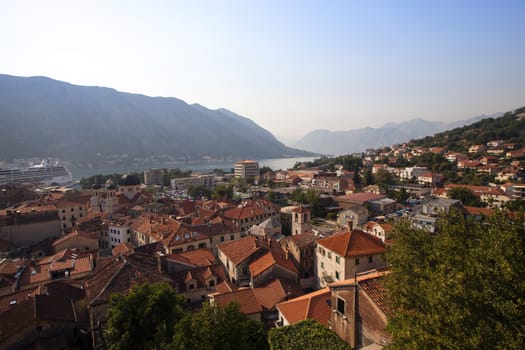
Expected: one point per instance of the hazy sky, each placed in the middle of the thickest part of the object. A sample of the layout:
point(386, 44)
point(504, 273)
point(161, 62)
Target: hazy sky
point(291, 66)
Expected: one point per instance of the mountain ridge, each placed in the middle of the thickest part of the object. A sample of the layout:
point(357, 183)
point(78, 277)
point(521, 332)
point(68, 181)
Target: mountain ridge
point(357, 140)
point(84, 123)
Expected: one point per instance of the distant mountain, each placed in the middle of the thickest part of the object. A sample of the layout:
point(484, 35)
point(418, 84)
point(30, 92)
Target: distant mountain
point(42, 117)
point(345, 142)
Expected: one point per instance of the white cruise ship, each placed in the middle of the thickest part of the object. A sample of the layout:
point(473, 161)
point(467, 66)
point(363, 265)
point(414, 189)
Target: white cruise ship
point(44, 173)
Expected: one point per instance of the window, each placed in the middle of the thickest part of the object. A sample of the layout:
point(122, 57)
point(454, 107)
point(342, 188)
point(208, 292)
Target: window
point(212, 283)
point(337, 259)
point(357, 261)
point(222, 238)
point(370, 259)
point(232, 237)
point(322, 265)
point(337, 275)
point(329, 255)
point(191, 286)
point(341, 306)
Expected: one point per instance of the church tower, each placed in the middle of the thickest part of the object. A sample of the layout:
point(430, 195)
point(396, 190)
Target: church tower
point(301, 220)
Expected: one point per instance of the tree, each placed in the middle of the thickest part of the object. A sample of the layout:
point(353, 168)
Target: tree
point(220, 328)
point(199, 191)
point(223, 191)
point(383, 177)
point(145, 318)
point(465, 195)
point(462, 288)
point(305, 335)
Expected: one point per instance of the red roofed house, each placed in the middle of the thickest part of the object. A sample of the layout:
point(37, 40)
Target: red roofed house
point(360, 198)
point(311, 306)
point(76, 240)
point(252, 212)
point(342, 255)
point(254, 261)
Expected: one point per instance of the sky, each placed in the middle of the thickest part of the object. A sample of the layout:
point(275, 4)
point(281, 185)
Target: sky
point(291, 66)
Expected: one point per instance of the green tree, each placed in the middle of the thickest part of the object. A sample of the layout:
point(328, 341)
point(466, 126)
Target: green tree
point(145, 318)
point(305, 335)
point(218, 171)
point(219, 328)
point(516, 205)
point(368, 178)
point(465, 195)
point(462, 288)
point(199, 191)
point(223, 191)
point(384, 178)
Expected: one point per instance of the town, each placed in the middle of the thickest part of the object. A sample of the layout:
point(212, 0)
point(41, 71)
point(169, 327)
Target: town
point(307, 243)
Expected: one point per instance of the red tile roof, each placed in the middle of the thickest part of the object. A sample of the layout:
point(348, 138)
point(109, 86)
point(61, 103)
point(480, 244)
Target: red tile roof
point(270, 294)
point(309, 306)
point(353, 243)
point(375, 289)
point(239, 250)
point(360, 197)
point(245, 297)
point(197, 257)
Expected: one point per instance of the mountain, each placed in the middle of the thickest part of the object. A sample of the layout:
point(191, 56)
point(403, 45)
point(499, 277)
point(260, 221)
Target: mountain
point(510, 127)
point(345, 142)
point(42, 117)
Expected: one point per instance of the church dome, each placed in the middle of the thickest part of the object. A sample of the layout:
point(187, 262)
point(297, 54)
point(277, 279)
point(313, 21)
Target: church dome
point(111, 187)
point(129, 180)
point(96, 187)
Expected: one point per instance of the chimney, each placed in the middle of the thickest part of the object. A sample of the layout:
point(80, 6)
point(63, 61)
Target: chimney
point(162, 262)
point(255, 243)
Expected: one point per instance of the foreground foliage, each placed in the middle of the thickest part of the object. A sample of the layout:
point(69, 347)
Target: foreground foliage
point(145, 318)
point(305, 335)
point(463, 288)
point(156, 317)
point(219, 328)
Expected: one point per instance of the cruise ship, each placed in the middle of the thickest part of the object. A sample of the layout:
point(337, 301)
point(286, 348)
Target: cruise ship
point(43, 173)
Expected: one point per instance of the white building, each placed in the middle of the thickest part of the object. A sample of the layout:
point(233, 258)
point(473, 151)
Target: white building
point(246, 168)
point(341, 256)
point(184, 183)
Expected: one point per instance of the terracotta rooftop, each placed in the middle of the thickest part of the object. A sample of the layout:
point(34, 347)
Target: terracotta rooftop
point(119, 275)
point(303, 239)
point(375, 289)
point(360, 198)
point(301, 209)
point(10, 300)
point(353, 243)
point(309, 306)
point(477, 211)
point(274, 256)
point(72, 235)
point(245, 297)
point(200, 275)
point(197, 257)
point(239, 250)
point(122, 248)
point(243, 212)
point(270, 294)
